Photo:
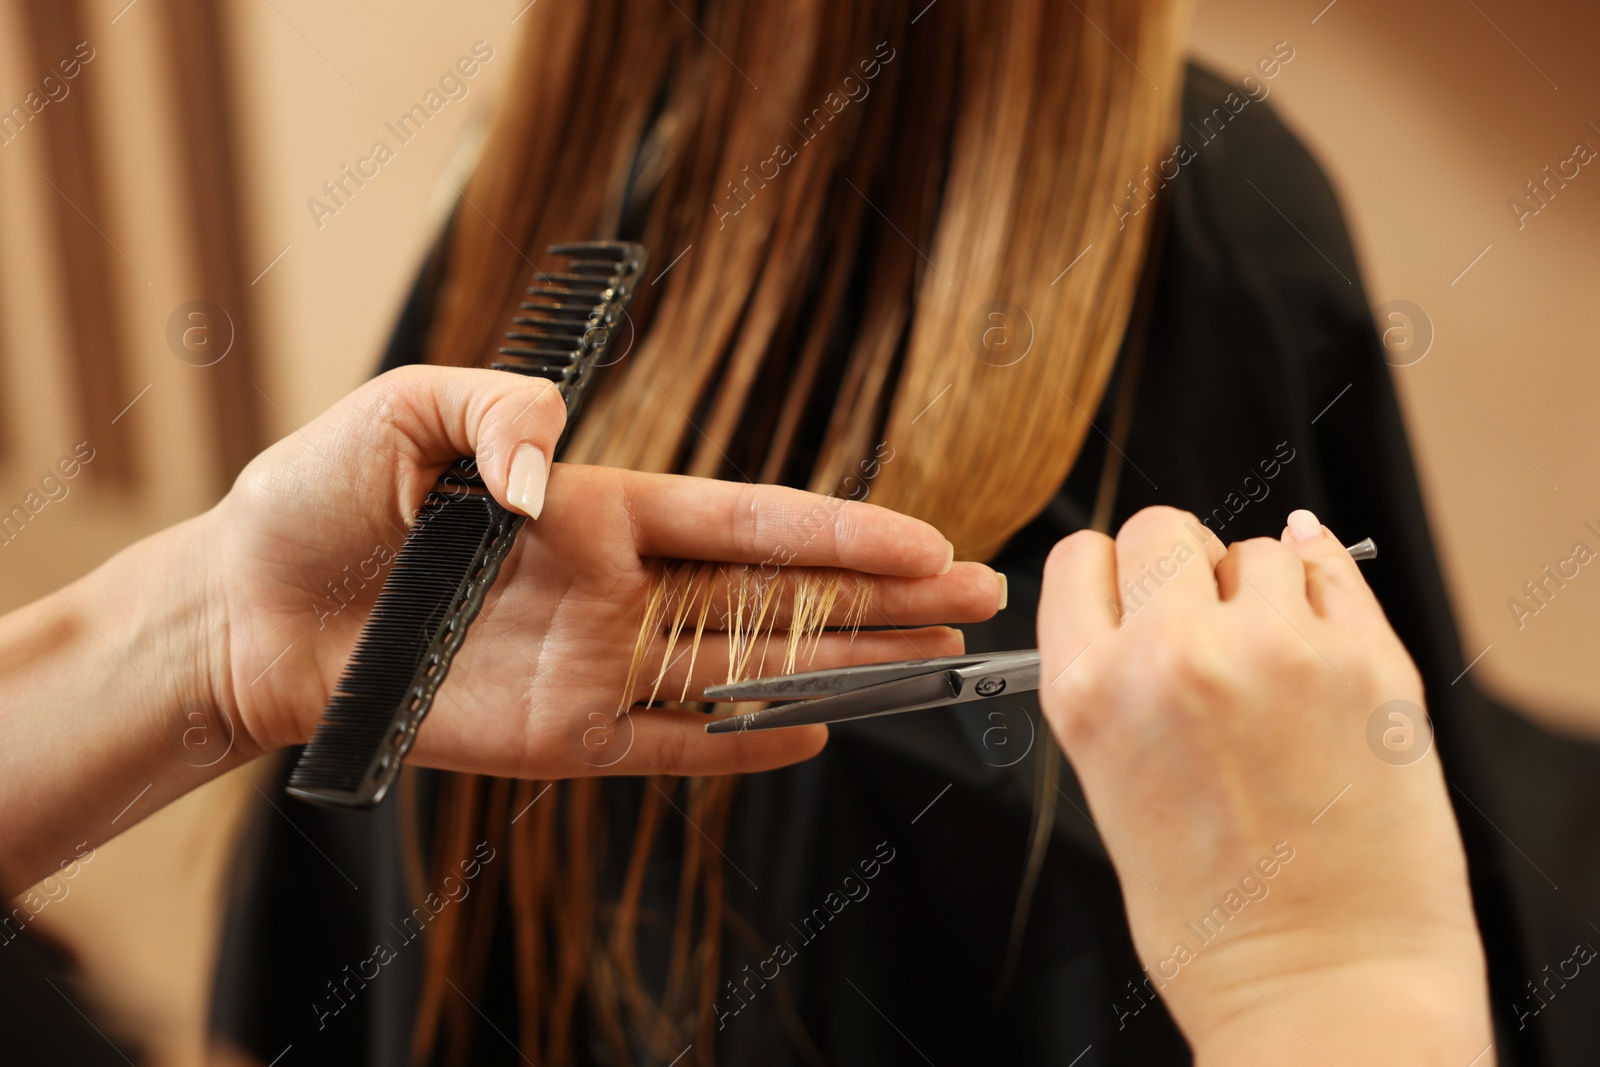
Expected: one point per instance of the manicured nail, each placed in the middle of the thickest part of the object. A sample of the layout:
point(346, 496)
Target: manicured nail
point(1304, 526)
point(530, 473)
point(1005, 591)
point(949, 556)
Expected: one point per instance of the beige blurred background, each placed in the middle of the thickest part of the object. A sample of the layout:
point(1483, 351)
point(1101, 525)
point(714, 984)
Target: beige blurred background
point(1428, 114)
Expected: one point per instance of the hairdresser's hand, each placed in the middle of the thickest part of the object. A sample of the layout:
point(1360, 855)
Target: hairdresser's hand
point(1294, 892)
point(305, 538)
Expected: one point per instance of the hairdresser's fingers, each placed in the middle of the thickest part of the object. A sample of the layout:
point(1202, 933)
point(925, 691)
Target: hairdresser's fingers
point(689, 670)
point(427, 417)
point(674, 742)
point(1260, 572)
point(1078, 606)
point(698, 518)
point(970, 592)
point(1335, 585)
point(1166, 558)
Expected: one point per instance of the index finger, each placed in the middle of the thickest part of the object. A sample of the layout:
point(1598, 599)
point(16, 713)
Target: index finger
point(680, 517)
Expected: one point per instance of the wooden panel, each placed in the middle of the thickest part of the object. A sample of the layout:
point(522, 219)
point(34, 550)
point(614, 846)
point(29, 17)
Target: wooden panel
point(93, 269)
point(198, 58)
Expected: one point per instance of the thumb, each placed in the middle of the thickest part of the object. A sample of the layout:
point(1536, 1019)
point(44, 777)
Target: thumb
point(429, 417)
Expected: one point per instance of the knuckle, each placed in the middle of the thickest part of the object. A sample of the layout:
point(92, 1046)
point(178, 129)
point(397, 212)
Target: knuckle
point(1379, 662)
point(1266, 551)
point(1299, 660)
point(547, 403)
point(1279, 654)
point(1260, 559)
point(846, 522)
point(387, 395)
point(746, 520)
point(1158, 516)
point(534, 411)
point(1075, 544)
point(1193, 665)
point(1069, 704)
point(1330, 575)
point(1365, 666)
point(674, 753)
point(1076, 728)
point(1143, 519)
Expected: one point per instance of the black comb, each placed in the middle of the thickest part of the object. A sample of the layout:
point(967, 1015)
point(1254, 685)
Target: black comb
point(454, 549)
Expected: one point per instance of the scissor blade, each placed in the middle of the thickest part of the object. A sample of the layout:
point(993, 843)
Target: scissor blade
point(886, 698)
point(835, 680)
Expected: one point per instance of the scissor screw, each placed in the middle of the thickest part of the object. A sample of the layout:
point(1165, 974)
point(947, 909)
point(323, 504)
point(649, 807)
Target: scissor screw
point(990, 687)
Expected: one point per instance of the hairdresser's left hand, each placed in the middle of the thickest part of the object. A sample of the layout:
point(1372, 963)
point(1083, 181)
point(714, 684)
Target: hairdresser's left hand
point(1296, 887)
point(214, 640)
point(304, 540)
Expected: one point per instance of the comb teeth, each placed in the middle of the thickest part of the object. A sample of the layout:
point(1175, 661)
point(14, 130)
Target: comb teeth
point(453, 552)
point(613, 250)
point(576, 281)
point(566, 320)
point(571, 295)
point(601, 267)
point(552, 312)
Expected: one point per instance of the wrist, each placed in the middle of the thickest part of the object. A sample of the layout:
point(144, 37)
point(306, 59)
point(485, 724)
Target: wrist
point(157, 605)
point(1412, 1012)
point(198, 709)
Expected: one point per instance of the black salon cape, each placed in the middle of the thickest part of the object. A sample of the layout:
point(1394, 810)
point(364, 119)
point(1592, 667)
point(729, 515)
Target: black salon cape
point(1262, 357)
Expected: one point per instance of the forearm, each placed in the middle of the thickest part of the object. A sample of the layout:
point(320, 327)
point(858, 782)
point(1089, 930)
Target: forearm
point(106, 707)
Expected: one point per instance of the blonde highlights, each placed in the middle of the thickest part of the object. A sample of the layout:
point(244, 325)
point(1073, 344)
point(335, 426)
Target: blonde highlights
point(751, 607)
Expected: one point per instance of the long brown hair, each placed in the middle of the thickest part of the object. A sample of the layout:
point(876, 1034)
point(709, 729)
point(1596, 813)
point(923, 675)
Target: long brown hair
point(844, 199)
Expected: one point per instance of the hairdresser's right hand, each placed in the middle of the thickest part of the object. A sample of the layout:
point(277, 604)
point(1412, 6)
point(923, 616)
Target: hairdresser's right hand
point(1292, 871)
point(304, 540)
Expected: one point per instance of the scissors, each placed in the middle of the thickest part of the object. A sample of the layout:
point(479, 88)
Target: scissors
point(847, 693)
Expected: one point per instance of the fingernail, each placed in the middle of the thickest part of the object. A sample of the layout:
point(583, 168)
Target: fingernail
point(1304, 526)
point(949, 556)
point(1005, 591)
point(530, 473)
